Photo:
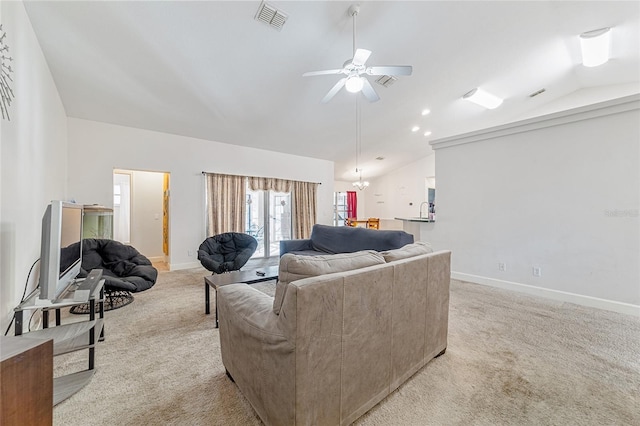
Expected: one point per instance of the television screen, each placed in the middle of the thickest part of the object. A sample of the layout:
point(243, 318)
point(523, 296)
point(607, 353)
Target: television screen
point(69, 238)
point(61, 248)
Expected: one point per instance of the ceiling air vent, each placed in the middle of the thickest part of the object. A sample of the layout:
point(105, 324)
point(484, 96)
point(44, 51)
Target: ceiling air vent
point(270, 15)
point(537, 92)
point(386, 80)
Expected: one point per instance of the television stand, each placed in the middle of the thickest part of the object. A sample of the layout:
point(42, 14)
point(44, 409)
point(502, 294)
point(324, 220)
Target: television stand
point(69, 337)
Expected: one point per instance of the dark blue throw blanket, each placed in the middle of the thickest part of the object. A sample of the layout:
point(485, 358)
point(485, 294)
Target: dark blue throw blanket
point(345, 239)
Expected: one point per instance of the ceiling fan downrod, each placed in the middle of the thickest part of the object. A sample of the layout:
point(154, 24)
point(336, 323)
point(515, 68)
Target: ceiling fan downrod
point(353, 11)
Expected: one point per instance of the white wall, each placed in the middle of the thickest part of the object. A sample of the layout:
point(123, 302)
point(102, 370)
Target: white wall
point(95, 149)
point(560, 192)
point(33, 155)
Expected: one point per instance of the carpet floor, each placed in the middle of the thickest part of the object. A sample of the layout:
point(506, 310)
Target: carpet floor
point(512, 359)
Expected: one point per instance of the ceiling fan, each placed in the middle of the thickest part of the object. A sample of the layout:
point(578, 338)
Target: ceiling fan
point(355, 70)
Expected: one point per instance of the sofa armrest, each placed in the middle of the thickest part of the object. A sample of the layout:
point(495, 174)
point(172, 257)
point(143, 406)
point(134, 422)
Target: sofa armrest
point(287, 246)
point(256, 352)
point(250, 310)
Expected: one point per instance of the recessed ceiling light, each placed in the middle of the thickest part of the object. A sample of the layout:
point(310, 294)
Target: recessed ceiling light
point(415, 128)
point(483, 98)
point(595, 47)
point(427, 133)
point(426, 112)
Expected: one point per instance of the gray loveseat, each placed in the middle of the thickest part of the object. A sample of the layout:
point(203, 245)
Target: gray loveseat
point(347, 330)
point(345, 239)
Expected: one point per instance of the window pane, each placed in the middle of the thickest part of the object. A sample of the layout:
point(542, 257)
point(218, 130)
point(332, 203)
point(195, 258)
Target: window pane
point(280, 220)
point(339, 208)
point(255, 219)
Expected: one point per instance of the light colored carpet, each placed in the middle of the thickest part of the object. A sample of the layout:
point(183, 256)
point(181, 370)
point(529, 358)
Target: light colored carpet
point(512, 360)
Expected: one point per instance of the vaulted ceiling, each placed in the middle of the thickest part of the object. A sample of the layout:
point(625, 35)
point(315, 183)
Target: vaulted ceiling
point(209, 70)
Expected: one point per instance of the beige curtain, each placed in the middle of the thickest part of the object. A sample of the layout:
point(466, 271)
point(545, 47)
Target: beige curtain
point(265, 184)
point(226, 203)
point(303, 208)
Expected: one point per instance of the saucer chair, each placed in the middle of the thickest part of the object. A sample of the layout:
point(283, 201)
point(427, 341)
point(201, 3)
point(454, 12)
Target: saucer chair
point(226, 252)
point(124, 270)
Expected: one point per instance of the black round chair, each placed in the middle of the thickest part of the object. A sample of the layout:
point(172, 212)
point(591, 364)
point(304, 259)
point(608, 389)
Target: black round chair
point(124, 270)
point(226, 252)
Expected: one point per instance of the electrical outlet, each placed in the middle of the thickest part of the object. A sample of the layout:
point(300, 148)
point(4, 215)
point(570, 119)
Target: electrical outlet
point(502, 266)
point(537, 271)
point(190, 253)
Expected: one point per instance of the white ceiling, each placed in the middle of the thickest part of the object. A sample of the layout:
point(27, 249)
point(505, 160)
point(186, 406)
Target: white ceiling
point(208, 70)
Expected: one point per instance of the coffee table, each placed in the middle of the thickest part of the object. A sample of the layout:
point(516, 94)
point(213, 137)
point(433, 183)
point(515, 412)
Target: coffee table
point(249, 276)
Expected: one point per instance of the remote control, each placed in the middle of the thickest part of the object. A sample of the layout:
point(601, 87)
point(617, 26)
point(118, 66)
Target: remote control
point(83, 291)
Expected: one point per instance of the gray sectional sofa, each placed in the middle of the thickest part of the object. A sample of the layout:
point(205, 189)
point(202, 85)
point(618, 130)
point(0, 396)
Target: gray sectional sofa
point(343, 332)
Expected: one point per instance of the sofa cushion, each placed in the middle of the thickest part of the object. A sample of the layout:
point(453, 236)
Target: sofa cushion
point(295, 267)
point(346, 239)
point(410, 250)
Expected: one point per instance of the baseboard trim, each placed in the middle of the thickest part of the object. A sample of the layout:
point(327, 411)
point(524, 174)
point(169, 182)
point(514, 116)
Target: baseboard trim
point(562, 296)
point(178, 266)
point(156, 259)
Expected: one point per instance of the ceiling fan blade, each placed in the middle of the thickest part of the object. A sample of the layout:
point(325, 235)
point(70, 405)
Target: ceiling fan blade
point(361, 56)
point(325, 72)
point(390, 70)
point(335, 89)
point(368, 91)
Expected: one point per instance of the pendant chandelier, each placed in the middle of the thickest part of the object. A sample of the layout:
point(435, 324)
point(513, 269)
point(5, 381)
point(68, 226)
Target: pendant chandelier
point(360, 184)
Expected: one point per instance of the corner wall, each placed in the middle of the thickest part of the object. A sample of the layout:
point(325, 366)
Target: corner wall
point(399, 193)
point(560, 192)
point(33, 156)
point(96, 149)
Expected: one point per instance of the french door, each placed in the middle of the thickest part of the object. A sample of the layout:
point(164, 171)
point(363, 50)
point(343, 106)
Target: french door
point(268, 220)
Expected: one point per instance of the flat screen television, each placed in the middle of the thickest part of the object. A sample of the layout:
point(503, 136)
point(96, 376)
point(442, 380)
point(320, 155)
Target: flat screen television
point(60, 249)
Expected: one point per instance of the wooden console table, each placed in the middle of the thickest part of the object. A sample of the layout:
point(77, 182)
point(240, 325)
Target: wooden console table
point(26, 388)
point(246, 277)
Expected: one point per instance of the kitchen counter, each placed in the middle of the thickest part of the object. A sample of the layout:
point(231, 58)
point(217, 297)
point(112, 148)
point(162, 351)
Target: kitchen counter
point(414, 219)
point(419, 227)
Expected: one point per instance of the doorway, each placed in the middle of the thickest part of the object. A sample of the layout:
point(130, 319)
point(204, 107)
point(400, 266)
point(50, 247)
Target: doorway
point(141, 213)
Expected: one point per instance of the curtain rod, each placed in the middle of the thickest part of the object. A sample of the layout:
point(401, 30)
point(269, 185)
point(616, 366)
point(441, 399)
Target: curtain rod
point(260, 177)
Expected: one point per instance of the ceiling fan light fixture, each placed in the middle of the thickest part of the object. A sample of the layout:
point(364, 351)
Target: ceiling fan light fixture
point(595, 47)
point(354, 84)
point(483, 98)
